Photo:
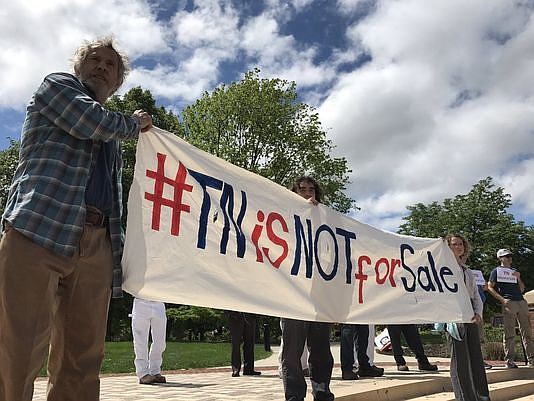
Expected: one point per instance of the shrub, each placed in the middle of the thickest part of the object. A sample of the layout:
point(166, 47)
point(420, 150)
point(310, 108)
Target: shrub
point(494, 351)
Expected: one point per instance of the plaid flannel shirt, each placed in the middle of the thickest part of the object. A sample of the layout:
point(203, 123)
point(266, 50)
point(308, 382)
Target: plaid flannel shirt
point(61, 137)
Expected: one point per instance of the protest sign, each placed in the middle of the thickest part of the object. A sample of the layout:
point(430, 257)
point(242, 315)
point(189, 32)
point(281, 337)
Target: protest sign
point(201, 231)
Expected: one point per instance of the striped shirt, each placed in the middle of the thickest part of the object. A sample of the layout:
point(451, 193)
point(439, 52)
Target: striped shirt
point(61, 138)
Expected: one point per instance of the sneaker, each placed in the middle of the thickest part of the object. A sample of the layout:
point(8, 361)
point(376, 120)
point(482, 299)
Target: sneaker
point(402, 368)
point(306, 372)
point(487, 366)
point(428, 367)
point(370, 371)
point(349, 375)
point(158, 378)
point(147, 379)
point(235, 373)
point(510, 365)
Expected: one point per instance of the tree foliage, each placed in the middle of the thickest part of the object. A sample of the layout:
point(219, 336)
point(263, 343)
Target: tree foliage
point(259, 125)
point(481, 215)
point(9, 159)
point(194, 321)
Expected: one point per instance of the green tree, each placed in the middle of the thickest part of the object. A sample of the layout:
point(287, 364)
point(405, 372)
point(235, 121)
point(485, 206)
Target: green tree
point(481, 215)
point(9, 159)
point(194, 321)
point(259, 125)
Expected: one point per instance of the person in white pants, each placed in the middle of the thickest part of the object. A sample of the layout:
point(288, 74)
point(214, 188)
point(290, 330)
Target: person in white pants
point(149, 316)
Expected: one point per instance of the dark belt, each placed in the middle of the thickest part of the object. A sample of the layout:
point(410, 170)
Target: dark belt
point(95, 217)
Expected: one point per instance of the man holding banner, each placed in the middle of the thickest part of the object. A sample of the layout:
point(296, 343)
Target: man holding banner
point(61, 250)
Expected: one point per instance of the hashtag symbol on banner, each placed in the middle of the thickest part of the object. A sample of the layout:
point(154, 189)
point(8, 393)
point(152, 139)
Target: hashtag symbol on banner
point(179, 185)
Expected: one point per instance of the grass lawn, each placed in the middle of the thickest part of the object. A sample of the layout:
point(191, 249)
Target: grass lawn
point(119, 357)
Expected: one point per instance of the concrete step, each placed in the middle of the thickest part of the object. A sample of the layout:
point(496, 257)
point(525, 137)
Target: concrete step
point(505, 384)
point(526, 398)
point(504, 391)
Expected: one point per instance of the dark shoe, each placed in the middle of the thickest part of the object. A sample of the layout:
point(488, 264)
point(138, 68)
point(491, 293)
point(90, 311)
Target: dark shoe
point(323, 396)
point(349, 375)
point(510, 365)
point(306, 372)
point(402, 368)
point(147, 379)
point(428, 367)
point(252, 373)
point(158, 378)
point(487, 366)
point(235, 373)
point(370, 371)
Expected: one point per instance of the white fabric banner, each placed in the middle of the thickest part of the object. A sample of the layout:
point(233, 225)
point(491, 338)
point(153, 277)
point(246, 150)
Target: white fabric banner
point(204, 232)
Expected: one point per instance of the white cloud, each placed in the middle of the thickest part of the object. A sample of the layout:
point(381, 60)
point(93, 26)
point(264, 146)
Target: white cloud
point(518, 181)
point(40, 37)
point(211, 24)
point(446, 100)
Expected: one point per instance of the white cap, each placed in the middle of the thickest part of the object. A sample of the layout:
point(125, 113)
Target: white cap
point(503, 252)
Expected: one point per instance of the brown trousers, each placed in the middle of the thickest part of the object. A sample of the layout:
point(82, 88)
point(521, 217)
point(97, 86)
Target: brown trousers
point(512, 311)
point(51, 300)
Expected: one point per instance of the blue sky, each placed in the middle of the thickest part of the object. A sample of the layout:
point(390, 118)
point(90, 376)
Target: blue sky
point(423, 98)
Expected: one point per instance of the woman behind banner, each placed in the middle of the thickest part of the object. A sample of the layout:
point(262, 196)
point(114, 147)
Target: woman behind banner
point(468, 374)
point(295, 333)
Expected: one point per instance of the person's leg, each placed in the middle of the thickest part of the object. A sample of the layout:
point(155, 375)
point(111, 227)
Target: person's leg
point(79, 329)
point(476, 362)
point(294, 333)
point(413, 339)
point(140, 330)
point(248, 342)
point(346, 347)
point(158, 331)
point(321, 361)
point(371, 345)
point(362, 338)
point(365, 369)
point(29, 276)
point(304, 357)
point(236, 323)
point(509, 318)
point(525, 330)
point(460, 370)
point(395, 331)
point(482, 338)
point(280, 353)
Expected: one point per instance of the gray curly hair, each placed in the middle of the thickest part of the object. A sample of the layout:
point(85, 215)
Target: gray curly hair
point(83, 51)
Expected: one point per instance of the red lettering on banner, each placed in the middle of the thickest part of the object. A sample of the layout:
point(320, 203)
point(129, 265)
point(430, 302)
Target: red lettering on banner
point(275, 239)
point(256, 234)
point(158, 200)
point(360, 277)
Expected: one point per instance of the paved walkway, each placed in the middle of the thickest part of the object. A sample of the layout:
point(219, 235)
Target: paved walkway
point(217, 384)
